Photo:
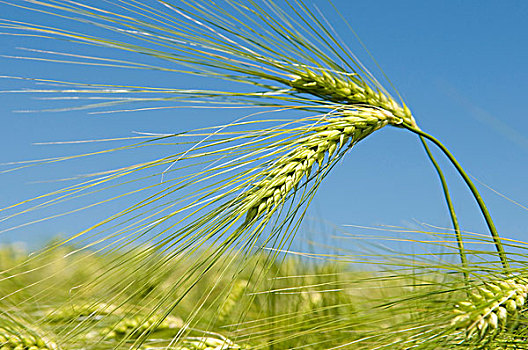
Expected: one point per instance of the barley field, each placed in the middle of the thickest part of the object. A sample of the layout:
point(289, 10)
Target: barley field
point(212, 175)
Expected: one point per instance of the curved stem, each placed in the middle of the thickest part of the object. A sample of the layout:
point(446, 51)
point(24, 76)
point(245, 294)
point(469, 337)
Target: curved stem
point(451, 208)
point(474, 191)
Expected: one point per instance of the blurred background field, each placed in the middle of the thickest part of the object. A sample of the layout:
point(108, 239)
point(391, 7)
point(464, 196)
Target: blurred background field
point(296, 302)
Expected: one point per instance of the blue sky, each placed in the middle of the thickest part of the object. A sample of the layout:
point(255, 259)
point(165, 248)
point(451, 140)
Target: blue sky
point(460, 66)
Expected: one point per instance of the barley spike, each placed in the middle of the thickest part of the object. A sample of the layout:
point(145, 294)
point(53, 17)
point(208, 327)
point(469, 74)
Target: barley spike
point(19, 340)
point(133, 327)
point(351, 91)
point(490, 307)
point(283, 175)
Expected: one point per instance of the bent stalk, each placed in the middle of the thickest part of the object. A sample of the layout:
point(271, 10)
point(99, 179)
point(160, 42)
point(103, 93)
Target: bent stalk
point(451, 208)
point(474, 191)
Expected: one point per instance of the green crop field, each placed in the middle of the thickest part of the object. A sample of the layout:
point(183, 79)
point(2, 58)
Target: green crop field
point(198, 238)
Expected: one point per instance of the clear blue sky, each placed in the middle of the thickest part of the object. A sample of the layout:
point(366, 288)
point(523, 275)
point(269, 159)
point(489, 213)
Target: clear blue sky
point(460, 66)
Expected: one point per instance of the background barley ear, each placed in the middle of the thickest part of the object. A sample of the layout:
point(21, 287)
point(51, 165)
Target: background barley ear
point(234, 296)
point(17, 334)
point(133, 327)
point(491, 310)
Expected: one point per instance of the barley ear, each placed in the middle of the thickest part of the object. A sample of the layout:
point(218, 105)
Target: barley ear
point(17, 339)
point(83, 310)
point(490, 308)
point(350, 91)
point(236, 292)
point(317, 149)
point(134, 327)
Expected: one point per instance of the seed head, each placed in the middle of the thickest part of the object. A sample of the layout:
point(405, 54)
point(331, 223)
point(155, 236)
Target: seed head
point(10, 339)
point(490, 307)
point(318, 148)
point(135, 326)
point(347, 90)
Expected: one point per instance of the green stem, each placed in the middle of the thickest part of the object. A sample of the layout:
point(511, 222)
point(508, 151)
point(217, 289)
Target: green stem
point(474, 191)
point(451, 208)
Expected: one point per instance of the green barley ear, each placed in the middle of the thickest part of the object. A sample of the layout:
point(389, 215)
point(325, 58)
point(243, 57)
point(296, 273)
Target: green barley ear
point(134, 327)
point(490, 308)
point(350, 91)
point(84, 310)
point(15, 338)
point(324, 142)
point(209, 343)
point(235, 294)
